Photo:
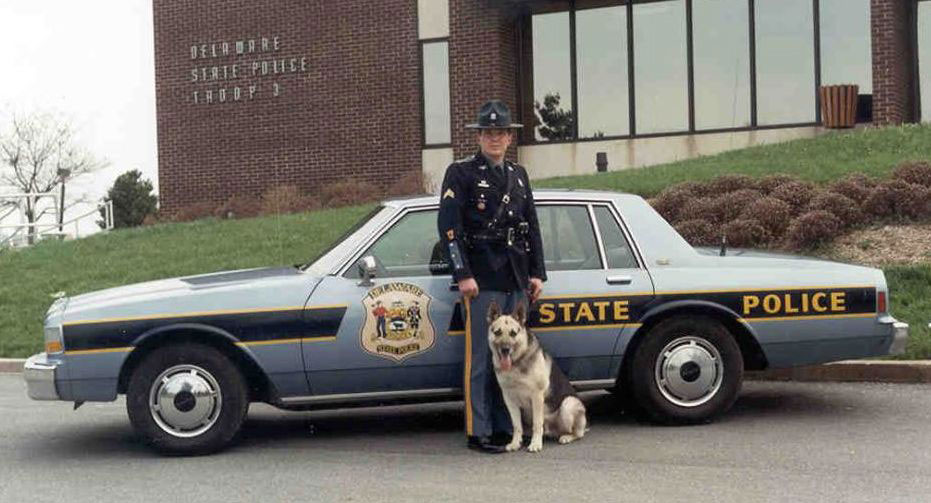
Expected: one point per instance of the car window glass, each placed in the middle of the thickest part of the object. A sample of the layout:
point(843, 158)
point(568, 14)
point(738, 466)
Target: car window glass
point(568, 239)
point(617, 250)
point(407, 249)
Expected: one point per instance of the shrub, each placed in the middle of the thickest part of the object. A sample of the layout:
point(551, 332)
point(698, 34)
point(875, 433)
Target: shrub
point(856, 186)
point(411, 183)
point(729, 206)
point(770, 182)
point(812, 228)
point(704, 208)
point(918, 173)
point(697, 232)
point(346, 192)
point(670, 201)
point(284, 199)
point(196, 211)
point(746, 233)
point(900, 199)
point(729, 183)
point(132, 200)
point(773, 214)
point(797, 194)
point(844, 208)
point(239, 206)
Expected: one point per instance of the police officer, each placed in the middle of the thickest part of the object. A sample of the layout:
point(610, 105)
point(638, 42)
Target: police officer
point(488, 223)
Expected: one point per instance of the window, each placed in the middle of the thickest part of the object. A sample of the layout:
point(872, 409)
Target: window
point(552, 87)
point(617, 251)
point(436, 93)
point(407, 248)
point(846, 56)
point(785, 62)
point(601, 57)
point(568, 239)
point(721, 55)
point(660, 67)
point(924, 58)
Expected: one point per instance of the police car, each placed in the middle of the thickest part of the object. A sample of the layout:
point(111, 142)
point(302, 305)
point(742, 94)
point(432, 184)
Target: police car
point(629, 306)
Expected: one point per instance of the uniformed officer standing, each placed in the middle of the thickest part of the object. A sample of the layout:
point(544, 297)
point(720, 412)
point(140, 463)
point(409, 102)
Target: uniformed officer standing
point(489, 223)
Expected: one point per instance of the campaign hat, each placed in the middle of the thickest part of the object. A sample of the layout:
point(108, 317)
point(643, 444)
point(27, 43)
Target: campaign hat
point(494, 115)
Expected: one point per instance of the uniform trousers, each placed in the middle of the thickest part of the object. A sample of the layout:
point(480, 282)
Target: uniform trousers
point(485, 412)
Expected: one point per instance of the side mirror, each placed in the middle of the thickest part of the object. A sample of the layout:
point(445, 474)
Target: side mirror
point(367, 270)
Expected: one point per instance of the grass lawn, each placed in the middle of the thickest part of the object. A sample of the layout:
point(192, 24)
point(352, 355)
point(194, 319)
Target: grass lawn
point(28, 277)
point(822, 159)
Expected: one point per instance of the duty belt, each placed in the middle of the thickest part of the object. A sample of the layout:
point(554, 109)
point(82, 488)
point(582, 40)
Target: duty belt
point(507, 235)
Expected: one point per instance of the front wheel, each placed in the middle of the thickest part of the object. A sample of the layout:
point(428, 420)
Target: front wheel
point(187, 399)
point(688, 370)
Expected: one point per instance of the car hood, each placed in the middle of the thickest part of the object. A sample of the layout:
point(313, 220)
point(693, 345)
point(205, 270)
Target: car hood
point(247, 288)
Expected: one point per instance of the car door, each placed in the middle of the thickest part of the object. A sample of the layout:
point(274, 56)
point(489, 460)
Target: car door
point(392, 336)
point(595, 282)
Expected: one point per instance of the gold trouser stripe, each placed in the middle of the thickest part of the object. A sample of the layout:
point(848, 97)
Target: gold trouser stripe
point(468, 368)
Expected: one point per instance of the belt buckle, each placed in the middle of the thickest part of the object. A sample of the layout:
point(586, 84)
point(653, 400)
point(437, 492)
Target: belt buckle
point(510, 236)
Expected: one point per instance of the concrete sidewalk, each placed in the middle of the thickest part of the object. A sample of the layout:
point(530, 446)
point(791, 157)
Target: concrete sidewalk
point(916, 371)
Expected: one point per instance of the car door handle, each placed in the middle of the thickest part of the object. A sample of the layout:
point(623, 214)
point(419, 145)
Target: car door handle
point(619, 280)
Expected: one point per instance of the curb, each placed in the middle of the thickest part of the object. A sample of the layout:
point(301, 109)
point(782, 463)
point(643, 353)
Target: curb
point(915, 371)
point(11, 365)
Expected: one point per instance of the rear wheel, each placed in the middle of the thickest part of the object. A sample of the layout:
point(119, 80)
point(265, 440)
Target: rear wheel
point(187, 399)
point(688, 370)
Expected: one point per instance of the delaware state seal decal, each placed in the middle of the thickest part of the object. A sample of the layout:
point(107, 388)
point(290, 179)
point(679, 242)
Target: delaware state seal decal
point(397, 321)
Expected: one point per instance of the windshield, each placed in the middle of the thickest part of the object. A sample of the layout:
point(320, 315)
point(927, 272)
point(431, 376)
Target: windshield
point(342, 246)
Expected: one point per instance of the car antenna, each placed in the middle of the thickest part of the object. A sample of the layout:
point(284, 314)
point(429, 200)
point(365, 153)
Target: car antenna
point(723, 245)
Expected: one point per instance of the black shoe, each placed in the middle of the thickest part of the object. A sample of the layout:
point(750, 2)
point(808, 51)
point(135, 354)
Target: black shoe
point(501, 438)
point(485, 444)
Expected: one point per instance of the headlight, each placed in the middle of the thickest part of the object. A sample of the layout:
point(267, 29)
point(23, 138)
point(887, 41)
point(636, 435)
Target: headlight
point(54, 341)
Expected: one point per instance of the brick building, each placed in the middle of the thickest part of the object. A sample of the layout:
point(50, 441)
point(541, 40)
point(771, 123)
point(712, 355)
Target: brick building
point(252, 95)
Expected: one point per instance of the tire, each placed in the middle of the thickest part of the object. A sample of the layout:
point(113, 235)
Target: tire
point(168, 416)
point(687, 370)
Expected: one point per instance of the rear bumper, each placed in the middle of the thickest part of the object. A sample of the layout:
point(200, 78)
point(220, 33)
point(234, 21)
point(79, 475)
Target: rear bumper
point(899, 338)
point(39, 374)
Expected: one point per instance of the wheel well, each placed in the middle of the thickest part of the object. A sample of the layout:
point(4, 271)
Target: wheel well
point(750, 350)
point(260, 388)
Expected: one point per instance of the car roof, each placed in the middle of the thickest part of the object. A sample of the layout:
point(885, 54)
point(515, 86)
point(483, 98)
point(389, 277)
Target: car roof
point(538, 195)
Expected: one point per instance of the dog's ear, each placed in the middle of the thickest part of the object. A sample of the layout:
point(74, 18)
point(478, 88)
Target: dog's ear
point(520, 313)
point(493, 311)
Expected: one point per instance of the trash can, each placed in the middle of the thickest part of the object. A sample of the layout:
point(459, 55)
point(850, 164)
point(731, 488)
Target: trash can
point(839, 105)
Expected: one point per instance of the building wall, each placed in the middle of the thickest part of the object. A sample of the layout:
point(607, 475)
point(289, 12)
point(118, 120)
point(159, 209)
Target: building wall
point(354, 111)
point(892, 27)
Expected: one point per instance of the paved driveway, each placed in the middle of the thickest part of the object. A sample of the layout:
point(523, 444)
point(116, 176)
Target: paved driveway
point(781, 442)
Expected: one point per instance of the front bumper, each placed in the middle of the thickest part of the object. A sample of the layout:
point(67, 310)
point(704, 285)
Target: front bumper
point(39, 374)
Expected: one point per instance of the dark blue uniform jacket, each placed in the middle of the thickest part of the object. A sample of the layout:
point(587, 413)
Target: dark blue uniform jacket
point(469, 199)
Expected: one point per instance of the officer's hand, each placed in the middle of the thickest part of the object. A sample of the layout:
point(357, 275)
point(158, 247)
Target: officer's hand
point(536, 288)
point(468, 287)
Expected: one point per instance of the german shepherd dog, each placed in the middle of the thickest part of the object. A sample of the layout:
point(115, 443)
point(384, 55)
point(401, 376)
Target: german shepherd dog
point(532, 383)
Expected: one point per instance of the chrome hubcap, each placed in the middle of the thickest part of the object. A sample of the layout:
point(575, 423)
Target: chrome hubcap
point(689, 371)
point(185, 401)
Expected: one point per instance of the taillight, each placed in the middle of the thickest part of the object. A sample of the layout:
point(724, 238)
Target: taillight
point(881, 303)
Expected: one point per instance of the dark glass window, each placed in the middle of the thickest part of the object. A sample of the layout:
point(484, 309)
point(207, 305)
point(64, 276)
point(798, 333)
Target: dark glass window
point(785, 62)
point(721, 55)
point(436, 93)
point(552, 87)
point(617, 250)
point(846, 56)
point(924, 58)
point(407, 248)
point(660, 67)
point(568, 238)
point(601, 59)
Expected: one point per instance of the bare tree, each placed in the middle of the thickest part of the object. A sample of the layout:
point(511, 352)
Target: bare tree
point(39, 152)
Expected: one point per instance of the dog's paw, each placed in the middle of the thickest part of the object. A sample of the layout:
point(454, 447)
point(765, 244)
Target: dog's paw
point(513, 446)
point(536, 445)
point(565, 439)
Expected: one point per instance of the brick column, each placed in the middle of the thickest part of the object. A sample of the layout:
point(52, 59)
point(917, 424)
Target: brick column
point(482, 63)
point(892, 27)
